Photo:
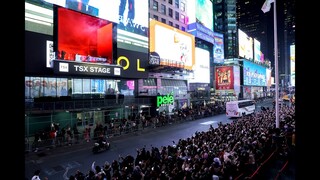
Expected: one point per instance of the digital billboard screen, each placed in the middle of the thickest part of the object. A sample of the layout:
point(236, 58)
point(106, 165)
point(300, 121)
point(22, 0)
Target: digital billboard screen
point(218, 48)
point(201, 72)
point(201, 11)
point(256, 50)
point(224, 78)
point(174, 47)
point(292, 65)
point(245, 45)
point(253, 74)
point(81, 37)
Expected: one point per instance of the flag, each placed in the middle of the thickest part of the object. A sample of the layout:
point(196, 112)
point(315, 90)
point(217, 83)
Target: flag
point(267, 5)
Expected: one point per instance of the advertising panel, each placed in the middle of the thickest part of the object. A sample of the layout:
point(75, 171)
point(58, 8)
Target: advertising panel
point(253, 74)
point(201, 32)
point(292, 65)
point(245, 45)
point(174, 47)
point(218, 48)
point(83, 38)
point(236, 73)
point(268, 76)
point(201, 72)
point(134, 63)
point(76, 68)
point(256, 50)
point(201, 11)
point(224, 78)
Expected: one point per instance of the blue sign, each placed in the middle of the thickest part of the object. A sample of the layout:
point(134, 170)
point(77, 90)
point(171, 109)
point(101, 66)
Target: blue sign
point(253, 74)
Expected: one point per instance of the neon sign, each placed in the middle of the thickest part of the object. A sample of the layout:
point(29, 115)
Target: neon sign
point(165, 100)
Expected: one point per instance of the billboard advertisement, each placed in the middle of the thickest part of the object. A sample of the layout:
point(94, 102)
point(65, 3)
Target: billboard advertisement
point(292, 65)
point(245, 44)
point(224, 78)
point(42, 86)
point(268, 76)
point(201, 32)
point(175, 48)
point(82, 38)
point(134, 63)
point(201, 72)
point(236, 73)
point(132, 20)
point(256, 50)
point(218, 48)
point(253, 74)
point(201, 11)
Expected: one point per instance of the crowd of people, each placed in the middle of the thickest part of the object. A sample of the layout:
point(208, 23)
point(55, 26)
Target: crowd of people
point(223, 152)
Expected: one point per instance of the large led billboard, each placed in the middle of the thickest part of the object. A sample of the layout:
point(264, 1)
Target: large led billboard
point(292, 65)
point(81, 37)
point(245, 45)
point(256, 50)
point(174, 47)
point(218, 48)
point(236, 73)
point(201, 72)
point(268, 77)
point(201, 11)
point(224, 78)
point(253, 74)
point(131, 17)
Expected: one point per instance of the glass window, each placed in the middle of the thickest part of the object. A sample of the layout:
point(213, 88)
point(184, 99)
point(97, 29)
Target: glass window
point(183, 6)
point(170, 23)
point(155, 5)
point(177, 15)
point(170, 1)
point(177, 26)
point(163, 9)
point(182, 18)
point(183, 28)
point(163, 20)
point(170, 12)
point(176, 3)
point(155, 17)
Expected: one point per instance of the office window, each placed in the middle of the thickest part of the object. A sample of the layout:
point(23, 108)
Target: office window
point(170, 23)
point(182, 18)
point(170, 2)
point(163, 20)
point(170, 12)
point(176, 3)
point(177, 26)
point(155, 5)
point(163, 9)
point(155, 17)
point(177, 15)
point(183, 28)
point(183, 6)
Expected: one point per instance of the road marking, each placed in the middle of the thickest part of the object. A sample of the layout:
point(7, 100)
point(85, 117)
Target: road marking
point(208, 122)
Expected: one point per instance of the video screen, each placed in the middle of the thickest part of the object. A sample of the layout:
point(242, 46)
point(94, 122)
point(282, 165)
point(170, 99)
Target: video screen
point(81, 37)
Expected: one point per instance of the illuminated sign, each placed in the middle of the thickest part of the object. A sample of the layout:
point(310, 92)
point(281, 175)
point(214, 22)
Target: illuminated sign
point(165, 100)
point(76, 68)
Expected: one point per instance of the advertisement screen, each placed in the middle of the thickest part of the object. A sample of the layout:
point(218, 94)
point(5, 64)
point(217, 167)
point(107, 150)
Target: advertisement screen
point(39, 86)
point(245, 45)
point(83, 38)
point(201, 11)
point(253, 74)
point(256, 50)
point(292, 65)
point(236, 72)
point(201, 73)
point(268, 76)
point(218, 48)
point(224, 78)
point(174, 47)
point(134, 63)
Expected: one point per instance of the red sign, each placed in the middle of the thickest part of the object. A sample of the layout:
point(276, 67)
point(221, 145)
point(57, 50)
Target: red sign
point(224, 78)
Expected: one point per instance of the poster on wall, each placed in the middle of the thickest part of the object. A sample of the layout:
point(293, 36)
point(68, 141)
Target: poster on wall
point(224, 78)
point(175, 49)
